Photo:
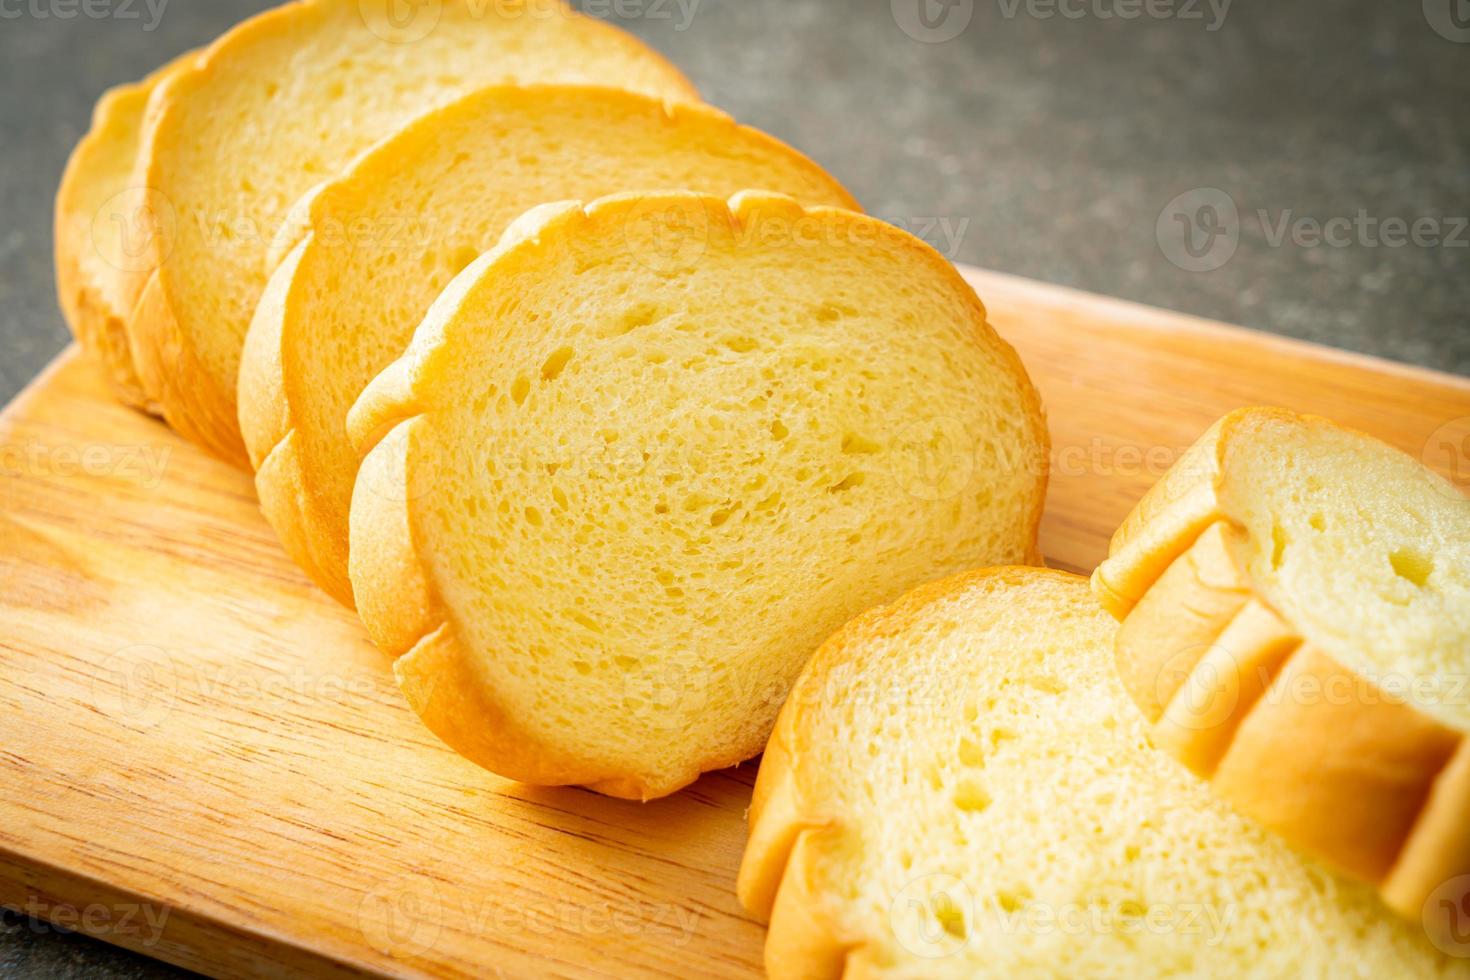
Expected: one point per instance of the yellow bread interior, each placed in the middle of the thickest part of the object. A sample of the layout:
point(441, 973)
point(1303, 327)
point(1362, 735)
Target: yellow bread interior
point(1295, 627)
point(959, 787)
point(1363, 550)
point(284, 102)
point(645, 455)
point(98, 231)
point(385, 239)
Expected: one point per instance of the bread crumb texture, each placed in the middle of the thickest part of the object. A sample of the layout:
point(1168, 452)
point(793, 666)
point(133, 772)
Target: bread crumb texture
point(662, 447)
point(959, 787)
point(1295, 606)
point(386, 239)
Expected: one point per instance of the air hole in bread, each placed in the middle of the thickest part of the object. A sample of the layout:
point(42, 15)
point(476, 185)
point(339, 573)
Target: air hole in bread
point(971, 797)
point(460, 257)
point(1412, 566)
point(552, 367)
point(1278, 545)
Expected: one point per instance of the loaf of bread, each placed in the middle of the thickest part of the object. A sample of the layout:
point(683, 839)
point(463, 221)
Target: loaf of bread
point(1295, 608)
point(643, 456)
point(958, 787)
point(280, 104)
point(384, 240)
point(98, 231)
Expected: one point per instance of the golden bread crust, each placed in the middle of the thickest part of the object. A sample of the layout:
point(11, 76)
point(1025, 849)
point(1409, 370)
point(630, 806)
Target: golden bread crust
point(1292, 737)
point(788, 826)
point(280, 376)
point(96, 173)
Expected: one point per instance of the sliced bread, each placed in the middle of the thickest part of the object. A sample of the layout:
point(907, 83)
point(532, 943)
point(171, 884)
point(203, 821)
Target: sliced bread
point(285, 101)
point(641, 458)
point(385, 239)
point(98, 230)
point(1295, 607)
point(958, 787)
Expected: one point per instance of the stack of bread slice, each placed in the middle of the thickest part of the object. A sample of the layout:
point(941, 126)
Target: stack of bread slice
point(644, 456)
point(977, 780)
point(343, 305)
point(232, 139)
point(1295, 608)
point(680, 430)
point(605, 411)
point(959, 786)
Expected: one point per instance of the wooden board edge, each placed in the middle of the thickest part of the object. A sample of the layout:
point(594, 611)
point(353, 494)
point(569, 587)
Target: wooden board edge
point(163, 931)
point(1159, 318)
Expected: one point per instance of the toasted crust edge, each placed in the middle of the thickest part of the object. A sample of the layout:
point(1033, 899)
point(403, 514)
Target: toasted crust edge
point(1371, 785)
point(267, 428)
point(100, 329)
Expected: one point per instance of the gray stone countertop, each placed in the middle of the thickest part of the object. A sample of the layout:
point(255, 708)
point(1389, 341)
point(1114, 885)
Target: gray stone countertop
point(1317, 155)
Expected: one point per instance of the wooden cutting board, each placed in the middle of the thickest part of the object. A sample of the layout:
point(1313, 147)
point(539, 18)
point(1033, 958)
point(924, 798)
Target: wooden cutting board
point(202, 758)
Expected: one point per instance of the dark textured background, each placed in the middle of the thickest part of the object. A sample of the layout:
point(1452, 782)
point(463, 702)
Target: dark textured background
point(1044, 146)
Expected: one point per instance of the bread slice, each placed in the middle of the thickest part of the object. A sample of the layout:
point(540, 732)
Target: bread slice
point(410, 214)
point(641, 458)
point(958, 787)
point(280, 104)
point(96, 230)
point(1295, 600)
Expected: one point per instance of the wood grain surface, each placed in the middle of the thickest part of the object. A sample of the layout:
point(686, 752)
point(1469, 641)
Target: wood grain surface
point(203, 759)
